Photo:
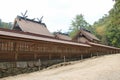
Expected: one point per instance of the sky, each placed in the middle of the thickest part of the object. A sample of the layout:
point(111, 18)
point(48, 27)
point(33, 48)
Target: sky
point(57, 14)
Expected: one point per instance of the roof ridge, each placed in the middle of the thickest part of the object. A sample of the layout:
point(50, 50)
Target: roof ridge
point(32, 20)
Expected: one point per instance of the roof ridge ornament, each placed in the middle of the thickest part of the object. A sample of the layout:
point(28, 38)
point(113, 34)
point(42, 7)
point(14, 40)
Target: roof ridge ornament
point(40, 19)
point(24, 15)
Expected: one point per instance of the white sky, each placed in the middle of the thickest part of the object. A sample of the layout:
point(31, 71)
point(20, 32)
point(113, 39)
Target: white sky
point(57, 13)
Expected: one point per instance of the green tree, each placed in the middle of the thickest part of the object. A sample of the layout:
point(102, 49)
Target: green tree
point(113, 29)
point(77, 23)
point(5, 25)
point(100, 28)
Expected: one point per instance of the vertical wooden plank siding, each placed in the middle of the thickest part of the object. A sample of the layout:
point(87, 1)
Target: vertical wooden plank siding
point(25, 49)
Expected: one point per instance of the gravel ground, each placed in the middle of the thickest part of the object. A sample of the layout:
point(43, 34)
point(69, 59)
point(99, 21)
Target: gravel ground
point(101, 68)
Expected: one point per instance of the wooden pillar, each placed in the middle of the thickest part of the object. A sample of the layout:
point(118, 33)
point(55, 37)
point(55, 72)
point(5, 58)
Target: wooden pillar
point(64, 59)
point(39, 61)
point(91, 55)
point(81, 56)
point(97, 54)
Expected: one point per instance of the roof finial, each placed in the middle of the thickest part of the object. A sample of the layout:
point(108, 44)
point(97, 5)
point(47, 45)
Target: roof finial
point(24, 15)
point(40, 20)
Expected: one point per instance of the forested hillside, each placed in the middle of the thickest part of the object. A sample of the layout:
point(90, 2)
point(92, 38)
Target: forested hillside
point(108, 27)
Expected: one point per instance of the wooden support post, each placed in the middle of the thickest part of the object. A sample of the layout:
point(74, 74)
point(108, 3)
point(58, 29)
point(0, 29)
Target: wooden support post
point(16, 58)
point(39, 64)
point(91, 55)
point(97, 54)
point(64, 59)
point(81, 56)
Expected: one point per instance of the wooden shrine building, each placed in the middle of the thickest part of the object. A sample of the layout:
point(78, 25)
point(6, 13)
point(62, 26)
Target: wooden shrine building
point(31, 40)
point(63, 36)
point(31, 26)
point(29, 45)
point(84, 36)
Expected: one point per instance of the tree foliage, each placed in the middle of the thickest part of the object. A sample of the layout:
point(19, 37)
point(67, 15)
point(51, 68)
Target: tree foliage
point(77, 23)
point(100, 28)
point(113, 30)
point(5, 25)
point(108, 27)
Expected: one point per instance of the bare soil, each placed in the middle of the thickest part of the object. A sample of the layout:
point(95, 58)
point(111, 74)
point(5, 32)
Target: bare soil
point(100, 68)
